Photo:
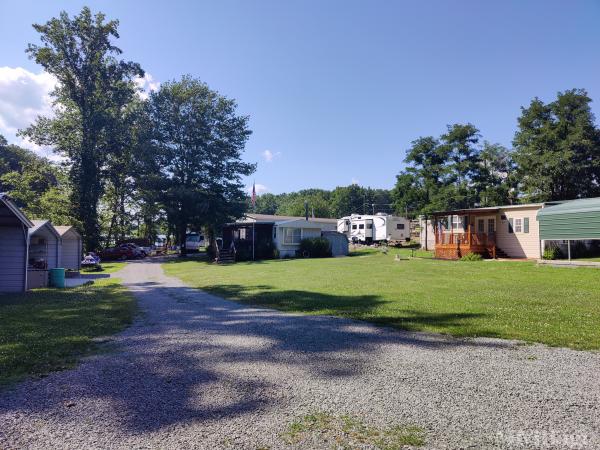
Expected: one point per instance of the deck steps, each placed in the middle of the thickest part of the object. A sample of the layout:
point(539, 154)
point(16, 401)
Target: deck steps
point(226, 257)
point(501, 253)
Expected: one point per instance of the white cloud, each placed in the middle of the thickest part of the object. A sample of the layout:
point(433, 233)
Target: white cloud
point(24, 96)
point(146, 85)
point(260, 189)
point(269, 156)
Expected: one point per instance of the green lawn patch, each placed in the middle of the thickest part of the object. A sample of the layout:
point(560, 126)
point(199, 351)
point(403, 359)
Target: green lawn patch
point(50, 329)
point(350, 432)
point(513, 300)
point(107, 267)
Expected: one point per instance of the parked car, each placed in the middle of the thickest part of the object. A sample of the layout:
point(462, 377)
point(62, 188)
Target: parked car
point(120, 253)
point(139, 252)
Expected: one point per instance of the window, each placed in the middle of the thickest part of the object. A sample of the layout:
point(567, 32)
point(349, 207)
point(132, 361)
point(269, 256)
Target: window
point(526, 225)
point(458, 222)
point(292, 236)
point(369, 226)
point(354, 226)
point(518, 225)
point(491, 225)
point(480, 225)
point(361, 226)
point(399, 226)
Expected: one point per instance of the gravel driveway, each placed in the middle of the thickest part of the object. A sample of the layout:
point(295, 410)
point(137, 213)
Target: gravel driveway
point(196, 371)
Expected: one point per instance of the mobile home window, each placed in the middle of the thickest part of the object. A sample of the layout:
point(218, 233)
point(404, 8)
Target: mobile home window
point(354, 226)
point(526, 225)
point(518, 225)
point(361, 226)
point(491, 225)
point(480, 225)
point(458, 222)
point(292, 236)
point(399, 226)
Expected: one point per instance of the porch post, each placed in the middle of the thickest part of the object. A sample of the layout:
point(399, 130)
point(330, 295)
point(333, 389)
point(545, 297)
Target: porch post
point(425, 233)
point(569, 249)
point(253, 237)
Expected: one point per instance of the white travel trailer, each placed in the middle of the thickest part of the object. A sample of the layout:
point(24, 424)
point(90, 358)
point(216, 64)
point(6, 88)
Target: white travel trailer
point(380, 227)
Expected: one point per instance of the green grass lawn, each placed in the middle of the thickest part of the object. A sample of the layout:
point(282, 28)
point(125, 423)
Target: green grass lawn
point(516, 300)
point(107, 267)
point(50, 329)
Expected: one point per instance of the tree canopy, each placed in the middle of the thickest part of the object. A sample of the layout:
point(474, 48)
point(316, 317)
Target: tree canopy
point(93, 87)
point(191, 156)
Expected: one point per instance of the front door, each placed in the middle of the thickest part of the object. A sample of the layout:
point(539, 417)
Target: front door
point(481, 225)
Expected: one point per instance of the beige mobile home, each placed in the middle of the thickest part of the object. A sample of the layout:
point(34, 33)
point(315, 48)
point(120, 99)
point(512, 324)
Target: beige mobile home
point(510, 231)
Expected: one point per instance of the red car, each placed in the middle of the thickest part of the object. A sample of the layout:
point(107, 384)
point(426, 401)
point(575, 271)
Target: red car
point(120, 253)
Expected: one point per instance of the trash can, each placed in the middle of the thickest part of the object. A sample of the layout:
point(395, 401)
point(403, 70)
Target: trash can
point(57, 278)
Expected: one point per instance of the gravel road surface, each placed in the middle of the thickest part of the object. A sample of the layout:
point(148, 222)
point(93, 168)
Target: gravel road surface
point(197, 371)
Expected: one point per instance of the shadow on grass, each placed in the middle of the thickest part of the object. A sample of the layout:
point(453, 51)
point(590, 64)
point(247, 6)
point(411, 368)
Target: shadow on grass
point(196, 357)
point(50, 329)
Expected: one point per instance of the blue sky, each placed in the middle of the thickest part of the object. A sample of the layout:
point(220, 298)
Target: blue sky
point(337, 90)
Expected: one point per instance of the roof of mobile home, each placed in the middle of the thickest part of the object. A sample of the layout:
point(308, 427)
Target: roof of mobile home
point(485, 209)
point(272, 218)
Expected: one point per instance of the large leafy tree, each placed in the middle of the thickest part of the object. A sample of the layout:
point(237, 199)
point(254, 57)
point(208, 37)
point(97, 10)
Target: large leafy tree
point(36, 184)
point(93, 83)
point(191, 158)
point(421, 188)
point(346, 200)
point(557, 148)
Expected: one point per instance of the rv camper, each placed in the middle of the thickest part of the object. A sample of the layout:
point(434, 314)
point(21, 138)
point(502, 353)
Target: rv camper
point(380, 227)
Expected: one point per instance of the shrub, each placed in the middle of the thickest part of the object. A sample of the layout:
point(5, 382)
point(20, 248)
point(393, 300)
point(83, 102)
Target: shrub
point(315, 247)
point(552, 251)
point(471, 257)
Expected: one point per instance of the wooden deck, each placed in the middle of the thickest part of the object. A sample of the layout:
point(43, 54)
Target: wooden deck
point(457, 245)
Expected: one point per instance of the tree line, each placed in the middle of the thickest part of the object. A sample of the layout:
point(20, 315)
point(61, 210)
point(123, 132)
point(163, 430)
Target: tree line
point(339, 202)
point(129, 164)
point(555, 156)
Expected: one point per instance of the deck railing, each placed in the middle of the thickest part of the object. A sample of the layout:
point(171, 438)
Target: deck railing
point(466, 239)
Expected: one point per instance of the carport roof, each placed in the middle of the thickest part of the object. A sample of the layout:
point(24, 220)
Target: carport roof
point(583, 205)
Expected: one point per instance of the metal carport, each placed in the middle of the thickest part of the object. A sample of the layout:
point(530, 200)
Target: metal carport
point(570, 220)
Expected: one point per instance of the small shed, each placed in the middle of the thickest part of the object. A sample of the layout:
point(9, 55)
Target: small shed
point(44, 245)
point(14, 245)
point(573, 220)
point(338, 241)
point(72, 248)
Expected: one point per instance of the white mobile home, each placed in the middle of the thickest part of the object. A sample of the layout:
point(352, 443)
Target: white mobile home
point(44, 253)
point(14, 243)
point(72, 249)
point(274, 235)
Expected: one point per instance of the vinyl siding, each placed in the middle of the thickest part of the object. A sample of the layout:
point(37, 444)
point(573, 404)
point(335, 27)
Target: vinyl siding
point(71, 251)
point(12, 258)
point(518, 245)
point(289, 250)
